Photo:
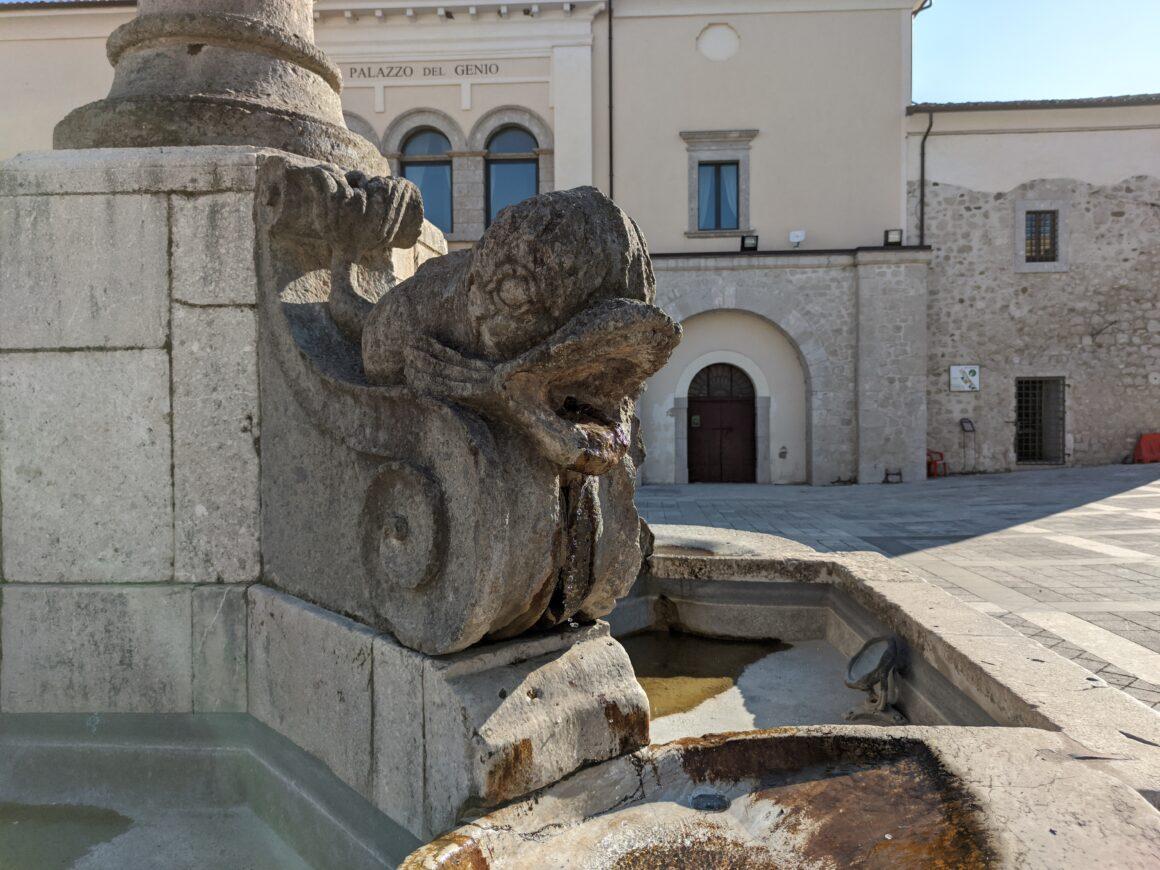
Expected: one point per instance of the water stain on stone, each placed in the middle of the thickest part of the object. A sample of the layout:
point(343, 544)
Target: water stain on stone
point(54, 836)
point(680, 671)
point(902, 813)
point(849, 802)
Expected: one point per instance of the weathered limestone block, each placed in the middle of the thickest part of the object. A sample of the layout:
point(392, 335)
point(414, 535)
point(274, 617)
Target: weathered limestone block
point(220, 72)
point(85, 467)
point(100, 649)
point(219, 649)
point(213, 249)
point(457, 734)
point(220, 168)
point(491, 444)
point(215, 405)
point(310, 680)
point(66, 280)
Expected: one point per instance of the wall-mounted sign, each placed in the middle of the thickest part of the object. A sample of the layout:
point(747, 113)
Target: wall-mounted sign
point(364, 72)
point(965, 379)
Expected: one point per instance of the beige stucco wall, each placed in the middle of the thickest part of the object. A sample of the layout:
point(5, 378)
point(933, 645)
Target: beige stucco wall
point(998, 150)
point(50, 63)
point(828, 157)
point(828, 154)
point(771, 361)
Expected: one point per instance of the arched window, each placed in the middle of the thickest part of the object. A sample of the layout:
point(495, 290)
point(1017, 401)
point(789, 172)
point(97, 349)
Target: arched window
point(427, 164)
point(721, 381)
point(513, 172)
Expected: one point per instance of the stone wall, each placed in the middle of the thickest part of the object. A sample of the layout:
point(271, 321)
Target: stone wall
point(129, 428)
point(857, 322)
point(1097, 324)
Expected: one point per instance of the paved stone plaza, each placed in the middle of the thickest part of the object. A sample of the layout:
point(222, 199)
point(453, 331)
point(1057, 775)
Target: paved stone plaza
point(1070, 557)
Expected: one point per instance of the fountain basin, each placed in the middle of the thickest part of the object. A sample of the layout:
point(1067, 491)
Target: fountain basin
point(205, 790)
point(731, 631)
point(818, 797)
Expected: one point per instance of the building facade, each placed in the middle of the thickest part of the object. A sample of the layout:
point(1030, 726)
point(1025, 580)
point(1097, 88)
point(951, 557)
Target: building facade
point(859, 279)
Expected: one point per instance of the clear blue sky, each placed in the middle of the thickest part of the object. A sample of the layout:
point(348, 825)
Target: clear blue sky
point(1036, 49)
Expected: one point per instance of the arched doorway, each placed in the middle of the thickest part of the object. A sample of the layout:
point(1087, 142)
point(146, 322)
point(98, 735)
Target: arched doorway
point(721, 420)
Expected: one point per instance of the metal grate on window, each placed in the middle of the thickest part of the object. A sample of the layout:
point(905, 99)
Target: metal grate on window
point(1039, 421)
point(1041, 236)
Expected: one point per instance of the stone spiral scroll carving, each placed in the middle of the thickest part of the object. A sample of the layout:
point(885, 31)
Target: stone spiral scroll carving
point(486, 403)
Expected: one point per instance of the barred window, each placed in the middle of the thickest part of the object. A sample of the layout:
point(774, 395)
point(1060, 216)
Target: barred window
point(1041, 236)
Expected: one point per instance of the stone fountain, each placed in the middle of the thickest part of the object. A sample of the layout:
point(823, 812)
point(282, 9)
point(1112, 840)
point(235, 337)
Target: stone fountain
point(448, 443)
point(304, 515)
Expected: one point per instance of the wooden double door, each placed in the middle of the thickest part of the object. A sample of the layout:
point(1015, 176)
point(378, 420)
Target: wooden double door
point(722, 437)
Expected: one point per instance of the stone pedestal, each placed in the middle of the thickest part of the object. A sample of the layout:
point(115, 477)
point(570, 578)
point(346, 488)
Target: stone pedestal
point(131, 448)
point(434, 740)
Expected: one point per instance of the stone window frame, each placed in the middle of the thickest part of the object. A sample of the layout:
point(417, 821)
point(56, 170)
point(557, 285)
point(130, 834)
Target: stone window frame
point(461, 170)
point(1019, 231)
point(476, 156)
point(719, 146)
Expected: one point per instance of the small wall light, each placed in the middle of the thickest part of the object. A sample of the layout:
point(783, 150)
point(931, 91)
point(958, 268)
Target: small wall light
point(892, 239)
point(749, 243)
point(796, 237)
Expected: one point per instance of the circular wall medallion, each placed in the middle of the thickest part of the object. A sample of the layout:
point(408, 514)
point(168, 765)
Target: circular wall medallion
point(718, 42)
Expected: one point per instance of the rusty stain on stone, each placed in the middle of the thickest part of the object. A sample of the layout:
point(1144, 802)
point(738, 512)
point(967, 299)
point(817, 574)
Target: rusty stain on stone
point(511, 775)
point(451, 851)
point(631, 729)
point(708, 850)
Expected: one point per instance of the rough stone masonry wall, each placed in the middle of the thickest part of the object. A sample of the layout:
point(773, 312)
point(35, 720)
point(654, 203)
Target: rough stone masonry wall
point(1097, 324)
point(811, 300)
point(857, 321)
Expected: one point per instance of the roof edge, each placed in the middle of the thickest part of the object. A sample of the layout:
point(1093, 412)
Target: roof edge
point(1010, 105)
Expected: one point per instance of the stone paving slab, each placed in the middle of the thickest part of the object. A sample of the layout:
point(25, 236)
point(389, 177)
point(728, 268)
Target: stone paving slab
point(1077, 549)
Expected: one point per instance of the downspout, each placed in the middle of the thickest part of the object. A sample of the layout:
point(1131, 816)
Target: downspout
point(611, 174)
point(922, 180)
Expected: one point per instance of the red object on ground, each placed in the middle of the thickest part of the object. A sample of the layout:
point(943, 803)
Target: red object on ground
point(936, 464)
point(1147, 448)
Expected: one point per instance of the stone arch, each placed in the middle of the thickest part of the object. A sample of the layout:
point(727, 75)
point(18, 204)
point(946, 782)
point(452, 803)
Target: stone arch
point(796, 330)
point(360, 125)
point(507, 116)
point(788, 415)
point(733, 358)
point(405, 123)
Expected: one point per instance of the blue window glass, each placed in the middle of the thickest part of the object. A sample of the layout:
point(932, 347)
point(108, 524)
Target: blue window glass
point(512, 140)
point(513, 170)
point(717, 196)
point(425, 162)
point(426, 143)
point(434, 182)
